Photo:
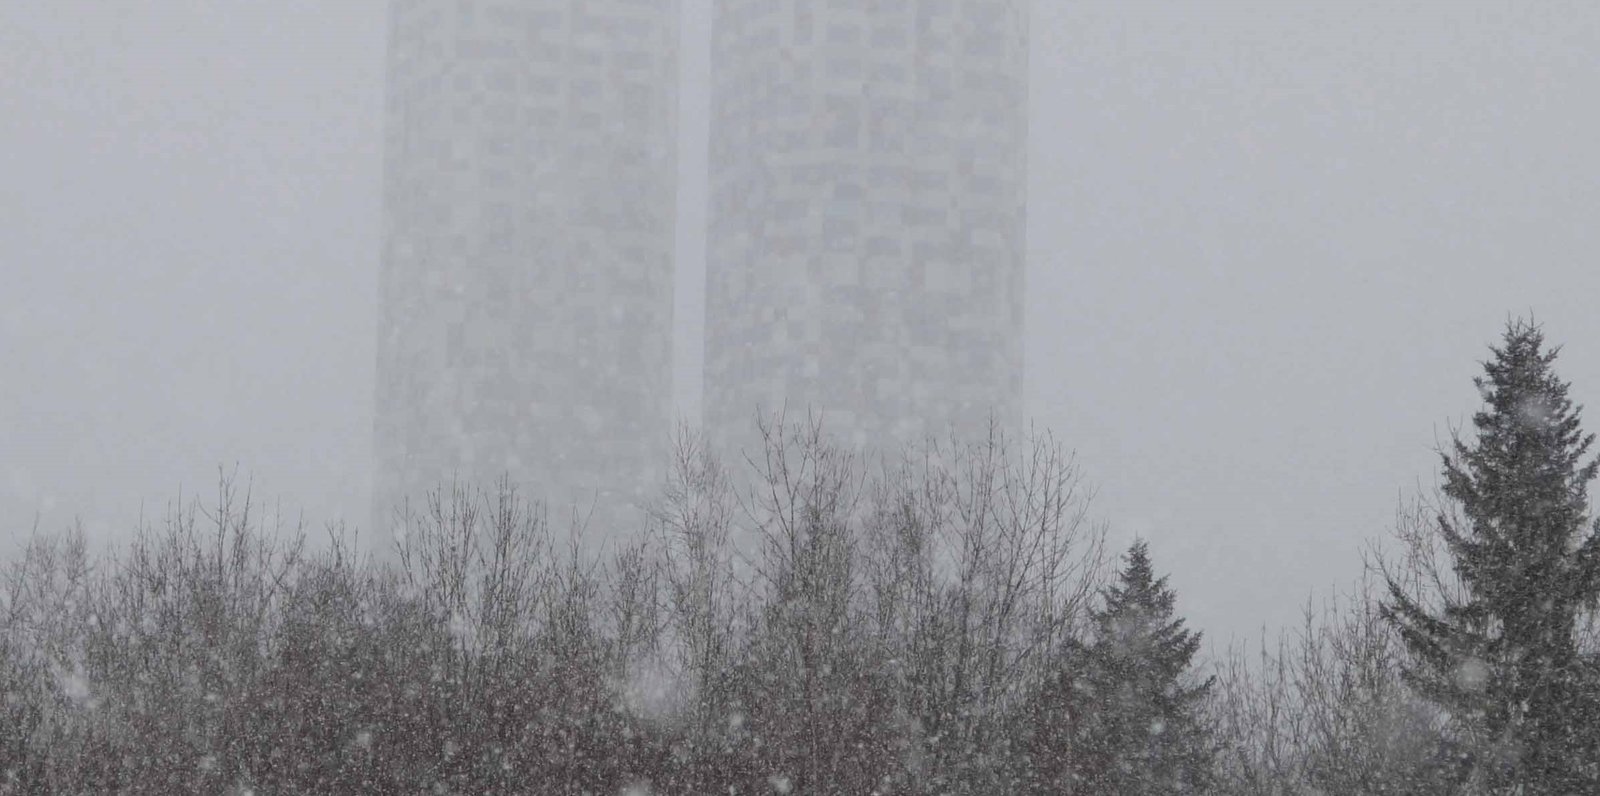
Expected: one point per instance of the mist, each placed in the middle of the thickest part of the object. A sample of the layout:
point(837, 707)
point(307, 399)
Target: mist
point(1254, 338)
point(1267, 244)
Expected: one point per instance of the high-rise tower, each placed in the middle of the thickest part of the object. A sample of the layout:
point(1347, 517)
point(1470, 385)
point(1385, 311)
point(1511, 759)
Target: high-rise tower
point(866, 247)
point(525, 318)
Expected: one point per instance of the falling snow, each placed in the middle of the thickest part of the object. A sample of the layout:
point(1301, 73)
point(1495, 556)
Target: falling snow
point(851, 558)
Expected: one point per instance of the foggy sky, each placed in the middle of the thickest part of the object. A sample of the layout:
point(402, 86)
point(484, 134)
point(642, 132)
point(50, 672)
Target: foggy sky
point(1268, 242)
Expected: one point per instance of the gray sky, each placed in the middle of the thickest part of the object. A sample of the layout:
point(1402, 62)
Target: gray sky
point(1269, 243)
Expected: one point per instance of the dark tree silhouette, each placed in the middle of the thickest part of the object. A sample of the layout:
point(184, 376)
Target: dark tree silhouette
point(1123, 715)
point(1495, 646)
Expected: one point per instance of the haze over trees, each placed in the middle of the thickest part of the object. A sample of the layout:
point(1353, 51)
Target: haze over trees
point(945, 619)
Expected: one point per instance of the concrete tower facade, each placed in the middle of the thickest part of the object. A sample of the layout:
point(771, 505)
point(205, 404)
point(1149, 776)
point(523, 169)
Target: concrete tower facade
point(525, 318)
point(868, 216)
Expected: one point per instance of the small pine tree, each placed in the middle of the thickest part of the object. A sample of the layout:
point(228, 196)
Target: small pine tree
point(1499, 654)
point(1122, 715)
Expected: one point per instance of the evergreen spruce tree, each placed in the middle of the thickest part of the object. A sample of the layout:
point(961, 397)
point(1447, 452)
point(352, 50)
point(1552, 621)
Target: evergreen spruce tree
point(1122, 715)
point(1499, 655)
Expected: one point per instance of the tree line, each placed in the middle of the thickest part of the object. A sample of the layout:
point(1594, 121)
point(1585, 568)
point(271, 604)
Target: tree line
point(946, 621)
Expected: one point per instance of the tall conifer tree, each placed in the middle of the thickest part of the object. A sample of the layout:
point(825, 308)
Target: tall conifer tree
point(1499, 654)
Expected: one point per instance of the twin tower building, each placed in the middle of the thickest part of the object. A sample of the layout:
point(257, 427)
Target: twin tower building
point(865, 249)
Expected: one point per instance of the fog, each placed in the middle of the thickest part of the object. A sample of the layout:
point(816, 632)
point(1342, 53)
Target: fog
point(1268, 245)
